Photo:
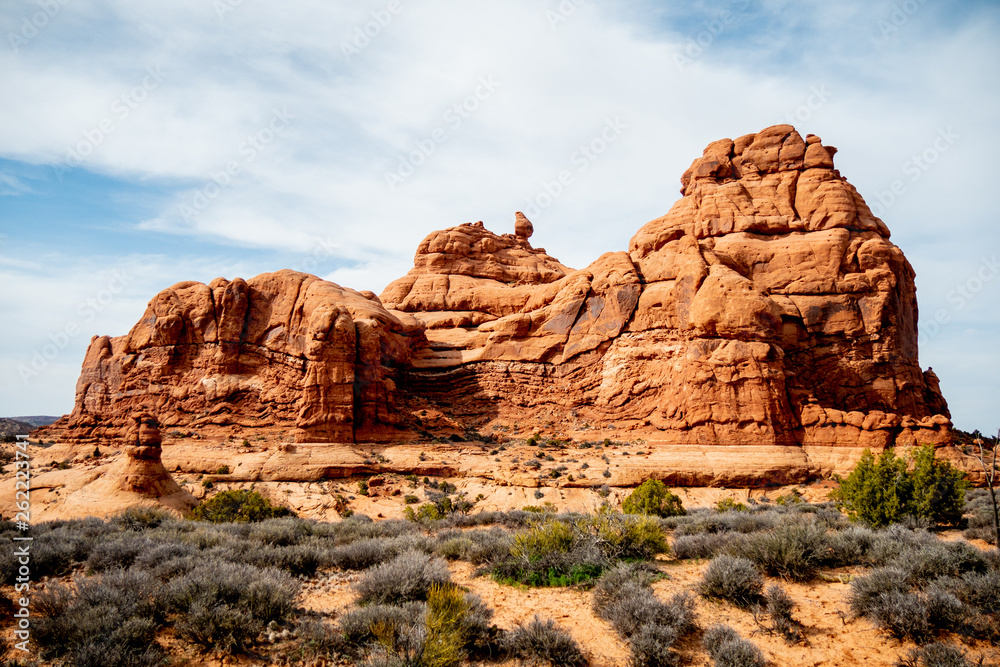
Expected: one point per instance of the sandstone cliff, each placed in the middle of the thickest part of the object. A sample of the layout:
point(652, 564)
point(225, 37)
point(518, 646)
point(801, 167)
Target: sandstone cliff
point(767, 308)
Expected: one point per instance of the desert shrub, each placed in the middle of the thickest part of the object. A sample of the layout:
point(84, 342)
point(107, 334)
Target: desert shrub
point(701, 545)
point(851, 546)
point(141, 518)
point(624, 537)
point(982, 591)
point(728, 649)
point(717, 635)
point(445, 643)
point(792, 551)
point(552, 552)
point(866, 590)
point(119, 553)
point(779, 605)
point(108, 620)
point(362, 554)
point(488, 544)
point(316, 639)
point(298, 559)
point(407, 577)
point(624, 598)
point(935, 655)
point(734, 579)
point(237, 506)
point(939, 559)
point(477, 626)
point(225, 605)
point(163, 553)
point(281, 532)
point(979, 510)
point(902, 615)
point(55, 554)
point(653, 497)
point(884, 597)
point(884, 490)
point(455, 621)
point(706, 521)
point(730, 505)
point(612, 581)
point(358, 625)
point(545, 641)
point(637, 606)
point(652, 646)
point(218, 626)
point(454, 548)
point(891, 542)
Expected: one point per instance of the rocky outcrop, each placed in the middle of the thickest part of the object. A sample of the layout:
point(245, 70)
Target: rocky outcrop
point(136, 478)
point(283, 350)
point(767, 308)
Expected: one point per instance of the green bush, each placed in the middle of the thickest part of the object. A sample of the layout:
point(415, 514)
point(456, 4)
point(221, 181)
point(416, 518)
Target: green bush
point(625, 537)
point(239, 506)
point(653, 497)
point(445, 643)
point(729, 505)
point(885, 490)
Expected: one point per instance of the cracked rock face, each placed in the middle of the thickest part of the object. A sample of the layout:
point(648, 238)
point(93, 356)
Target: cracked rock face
point(767, 307)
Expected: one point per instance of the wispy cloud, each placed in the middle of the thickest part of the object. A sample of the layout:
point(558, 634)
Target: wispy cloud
point(11, 186)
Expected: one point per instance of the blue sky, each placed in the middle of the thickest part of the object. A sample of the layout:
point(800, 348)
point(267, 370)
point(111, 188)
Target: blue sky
point(142, 144)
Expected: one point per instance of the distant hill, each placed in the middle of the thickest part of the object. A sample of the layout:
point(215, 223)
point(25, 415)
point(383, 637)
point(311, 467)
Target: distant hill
point(36, 420)
point(15, 427)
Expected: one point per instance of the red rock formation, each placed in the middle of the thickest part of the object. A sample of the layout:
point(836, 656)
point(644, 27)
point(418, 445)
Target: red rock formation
point(768, 307)
point(137, 478)
point(283, 349)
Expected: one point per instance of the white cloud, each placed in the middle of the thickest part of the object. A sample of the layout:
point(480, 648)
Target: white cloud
point(325, 175)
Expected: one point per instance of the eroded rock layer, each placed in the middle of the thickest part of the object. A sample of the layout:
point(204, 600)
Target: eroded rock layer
point(282, 349)
point(767, 308)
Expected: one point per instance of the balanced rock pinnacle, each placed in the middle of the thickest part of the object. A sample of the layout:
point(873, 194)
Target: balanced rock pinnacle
point(523, 228)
